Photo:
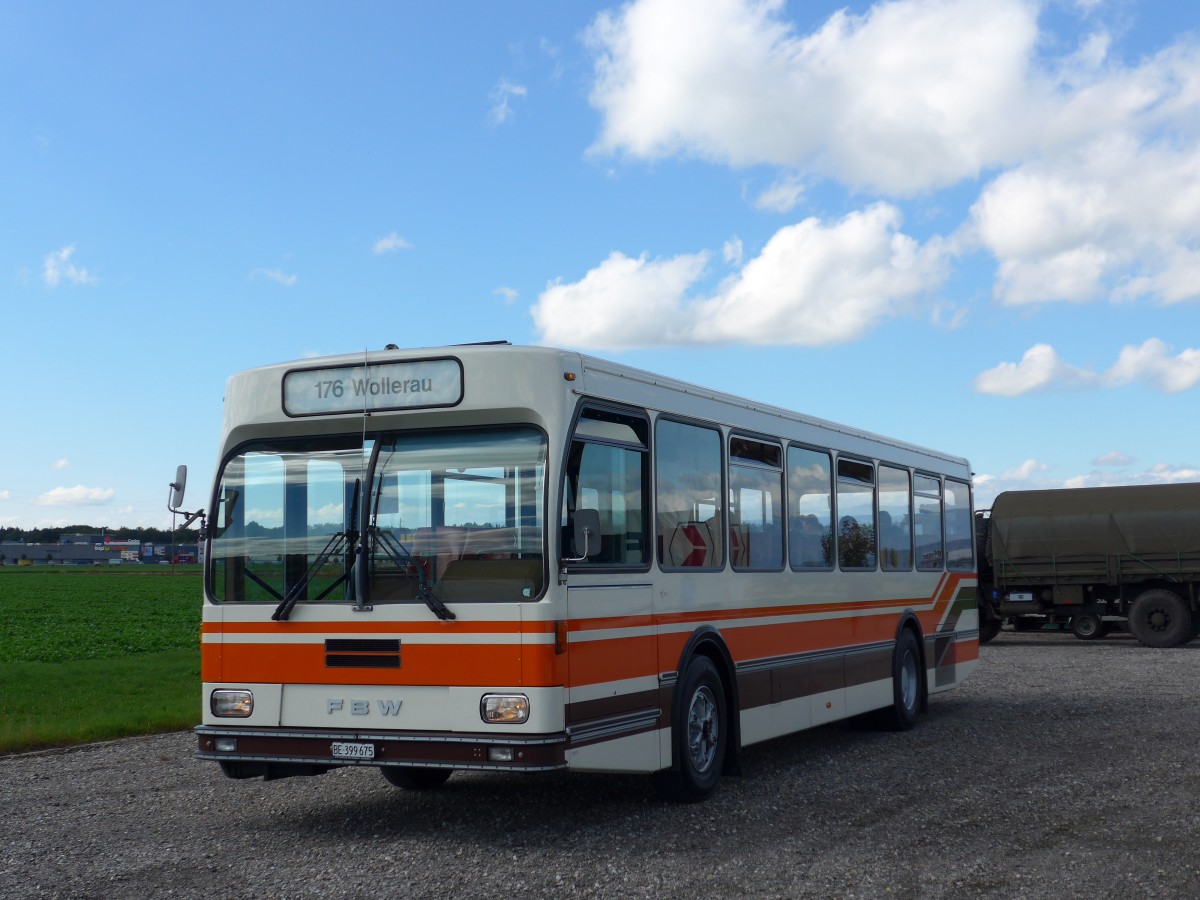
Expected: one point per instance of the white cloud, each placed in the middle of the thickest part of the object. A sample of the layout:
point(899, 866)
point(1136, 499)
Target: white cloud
point(75, 496)
point(391, 244)
point(1113, 458)
point(782, 196)
point(1161, 473)
point(1030, 476)
point(813, 284)
point(947, 316)
point(1040, 369)
point(1117, 219)
point(1152, 363)
point(910, 95)
point(1098, 191)
point(61, 463)
point(57, 268)
point(5, 495)
point(623, 302)
point(507, 294)
point(501, 94)
point(733, 251)
point(1024, 471)
point(276, 275)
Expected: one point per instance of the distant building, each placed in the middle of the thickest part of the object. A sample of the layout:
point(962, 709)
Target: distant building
point(92, 549)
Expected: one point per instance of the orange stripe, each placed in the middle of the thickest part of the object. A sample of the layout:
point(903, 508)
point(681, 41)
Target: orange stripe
point(588, 662)
point(442, 664)
point(726, 615)
point(465, 627)
point(596, 662)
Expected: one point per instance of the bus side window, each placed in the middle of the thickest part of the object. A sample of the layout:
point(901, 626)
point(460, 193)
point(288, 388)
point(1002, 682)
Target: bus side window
point(960, 537)
point(690, 512)
point(895, 520)
point(755, 505)
point(810, 509)
point(608, 471)
point(927, 491)
point(856, 514)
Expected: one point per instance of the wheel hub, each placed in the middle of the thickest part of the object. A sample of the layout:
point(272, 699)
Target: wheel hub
point(1159, 620)
point(703, 729)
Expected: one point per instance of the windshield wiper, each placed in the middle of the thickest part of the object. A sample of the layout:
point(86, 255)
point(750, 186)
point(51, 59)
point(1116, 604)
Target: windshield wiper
point(342, 541)
point(403, 559)
point(437, 606)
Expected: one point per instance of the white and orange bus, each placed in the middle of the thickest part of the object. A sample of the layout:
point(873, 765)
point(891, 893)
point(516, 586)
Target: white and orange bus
point(507, 558)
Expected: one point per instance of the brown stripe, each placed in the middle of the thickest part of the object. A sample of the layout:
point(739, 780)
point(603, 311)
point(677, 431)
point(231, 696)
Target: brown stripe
point(607, 707)
point(792, 679)
point(868, 666)
point(285, 748)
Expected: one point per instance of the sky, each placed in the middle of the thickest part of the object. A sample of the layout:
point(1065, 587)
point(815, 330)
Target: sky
point(973, 225)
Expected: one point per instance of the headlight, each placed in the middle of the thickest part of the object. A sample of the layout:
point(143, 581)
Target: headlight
point(232, 704)
point(504, 709)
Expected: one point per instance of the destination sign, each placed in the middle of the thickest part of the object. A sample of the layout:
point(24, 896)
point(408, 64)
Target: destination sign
point(370, 388)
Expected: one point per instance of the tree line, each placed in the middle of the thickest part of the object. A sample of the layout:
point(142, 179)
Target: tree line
point(145, 535)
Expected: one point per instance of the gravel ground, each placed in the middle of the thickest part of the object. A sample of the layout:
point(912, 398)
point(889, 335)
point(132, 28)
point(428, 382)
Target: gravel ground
point(1062, 768)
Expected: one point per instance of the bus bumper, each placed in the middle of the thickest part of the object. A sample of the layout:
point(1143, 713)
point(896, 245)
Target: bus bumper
point(279, 752)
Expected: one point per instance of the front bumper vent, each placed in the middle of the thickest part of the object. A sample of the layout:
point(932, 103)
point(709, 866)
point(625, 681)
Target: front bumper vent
point(362, 653)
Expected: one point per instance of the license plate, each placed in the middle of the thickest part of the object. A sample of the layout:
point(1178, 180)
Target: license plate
point(353, 751)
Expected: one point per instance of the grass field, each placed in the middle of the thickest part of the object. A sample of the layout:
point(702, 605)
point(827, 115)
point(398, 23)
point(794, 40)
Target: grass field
point(89, 654)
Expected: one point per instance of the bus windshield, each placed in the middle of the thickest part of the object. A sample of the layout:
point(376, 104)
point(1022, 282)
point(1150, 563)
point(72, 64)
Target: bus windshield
point(408, 517)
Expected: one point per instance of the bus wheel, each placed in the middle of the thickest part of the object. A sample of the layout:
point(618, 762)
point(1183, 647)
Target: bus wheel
point(415, 778)
point(699, 736)
point(988, 628)
point(1159, 618)
point(1088, 626)
point(906, 685)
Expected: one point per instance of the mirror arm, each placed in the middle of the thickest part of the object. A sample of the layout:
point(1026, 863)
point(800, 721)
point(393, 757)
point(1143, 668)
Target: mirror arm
point(587, 533)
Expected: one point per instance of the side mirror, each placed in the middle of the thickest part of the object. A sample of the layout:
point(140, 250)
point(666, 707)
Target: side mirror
point(177, 488)
point(587, 535)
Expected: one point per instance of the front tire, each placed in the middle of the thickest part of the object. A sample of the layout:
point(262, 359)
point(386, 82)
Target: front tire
point(415, 778)
point(1160, 618)
point(700, 735)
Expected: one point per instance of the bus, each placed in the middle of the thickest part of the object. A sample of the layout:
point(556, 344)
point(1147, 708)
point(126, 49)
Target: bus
point(491, 557)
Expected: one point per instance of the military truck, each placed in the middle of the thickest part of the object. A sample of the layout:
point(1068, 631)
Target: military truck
point(1091, 558)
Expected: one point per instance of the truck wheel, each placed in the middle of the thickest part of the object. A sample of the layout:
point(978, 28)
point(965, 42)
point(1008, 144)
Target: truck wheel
point(415, 778)
point(699, 736)
point(1159, 618)
point(988, 628)
point(1088, 626)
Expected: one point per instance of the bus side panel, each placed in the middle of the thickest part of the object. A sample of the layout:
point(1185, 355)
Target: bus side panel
point(613, 707)
point(952, 644)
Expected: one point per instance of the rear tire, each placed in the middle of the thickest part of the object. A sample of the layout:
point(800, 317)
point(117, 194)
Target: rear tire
point(1160, 618)
point(907, 689)
point(988, 628)
point(699, 736)
point(415, 778)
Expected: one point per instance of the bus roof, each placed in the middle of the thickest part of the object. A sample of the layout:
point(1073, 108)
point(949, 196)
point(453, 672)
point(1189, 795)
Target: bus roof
point(254, 395)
